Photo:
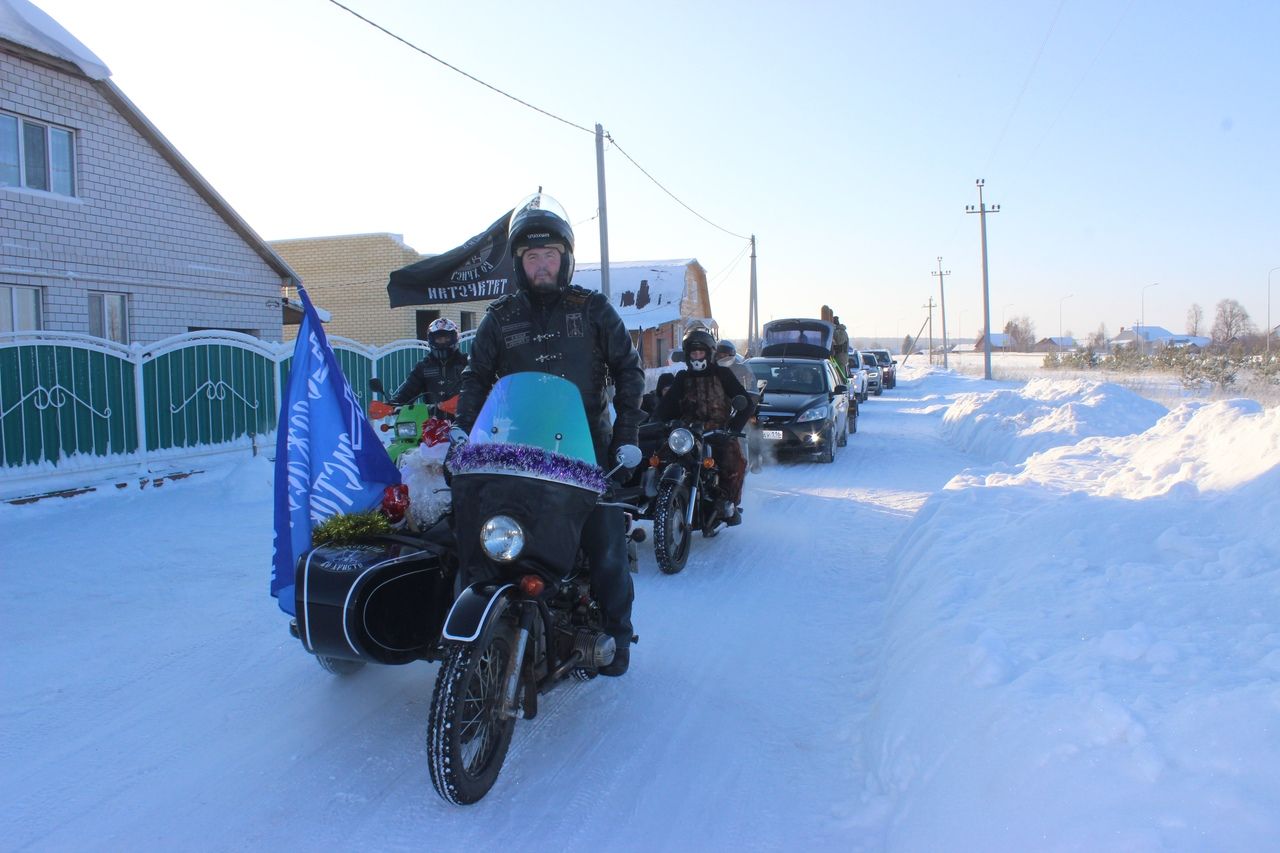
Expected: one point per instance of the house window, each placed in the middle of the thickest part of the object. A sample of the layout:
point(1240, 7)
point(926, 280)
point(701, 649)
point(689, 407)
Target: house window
point(109, 316)
point(466, 321)
point(36, 155)
point(425, 319)
point(19, 309)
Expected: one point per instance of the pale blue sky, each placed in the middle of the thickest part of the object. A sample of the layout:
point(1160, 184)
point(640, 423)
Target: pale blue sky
point(1127, 142)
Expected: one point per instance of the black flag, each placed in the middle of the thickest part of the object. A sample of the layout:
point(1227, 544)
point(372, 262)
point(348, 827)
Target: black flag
point(479, 269)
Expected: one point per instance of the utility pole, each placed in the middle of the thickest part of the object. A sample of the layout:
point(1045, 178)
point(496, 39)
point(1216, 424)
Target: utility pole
point(982, 210)
point(929, 305)
point(604, 215)
point(753, 315)
point(942, 291)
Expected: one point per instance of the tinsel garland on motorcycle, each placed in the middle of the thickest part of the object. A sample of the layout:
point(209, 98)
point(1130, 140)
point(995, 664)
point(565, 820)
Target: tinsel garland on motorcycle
point(527, 461)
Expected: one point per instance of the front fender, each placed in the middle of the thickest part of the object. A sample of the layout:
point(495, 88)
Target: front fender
point(477, 608)
point(673, 473)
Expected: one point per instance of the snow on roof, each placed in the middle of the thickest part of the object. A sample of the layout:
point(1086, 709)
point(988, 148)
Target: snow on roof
point(24, 24)
point(646, 294)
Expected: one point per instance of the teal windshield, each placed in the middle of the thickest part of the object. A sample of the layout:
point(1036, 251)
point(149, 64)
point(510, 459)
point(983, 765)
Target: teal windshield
point(536, 410)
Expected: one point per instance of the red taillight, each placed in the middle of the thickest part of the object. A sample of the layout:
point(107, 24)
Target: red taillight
point(532, 586)
point(654, 461)
point(395, 501)
point(384, 427)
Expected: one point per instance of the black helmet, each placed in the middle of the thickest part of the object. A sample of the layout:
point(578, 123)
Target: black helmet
point(540, 221)
point(699, 339)
point(442, 337)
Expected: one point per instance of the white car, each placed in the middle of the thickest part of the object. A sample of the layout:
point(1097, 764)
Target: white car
point(857, 377)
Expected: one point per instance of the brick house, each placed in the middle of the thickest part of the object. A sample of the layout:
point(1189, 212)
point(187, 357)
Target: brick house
point(658, 300)
point(348, 276)
point(107, 229)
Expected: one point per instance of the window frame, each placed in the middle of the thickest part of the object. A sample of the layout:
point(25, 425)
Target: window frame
point(103, 316)
point(11, 299)
point(53, 172)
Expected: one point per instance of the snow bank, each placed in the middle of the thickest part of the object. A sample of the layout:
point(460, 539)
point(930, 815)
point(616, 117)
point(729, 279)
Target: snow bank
point(1010, 425)
point(1085, 654)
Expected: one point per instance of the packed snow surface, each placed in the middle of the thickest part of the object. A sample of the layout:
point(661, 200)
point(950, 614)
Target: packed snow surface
point(1040, 617)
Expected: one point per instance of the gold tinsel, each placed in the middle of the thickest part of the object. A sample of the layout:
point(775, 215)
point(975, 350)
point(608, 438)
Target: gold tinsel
point(345, 529)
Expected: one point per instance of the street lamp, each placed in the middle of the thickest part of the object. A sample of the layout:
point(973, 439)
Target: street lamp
point(1270, 328)
point(1142, 323)
point(1060, 301)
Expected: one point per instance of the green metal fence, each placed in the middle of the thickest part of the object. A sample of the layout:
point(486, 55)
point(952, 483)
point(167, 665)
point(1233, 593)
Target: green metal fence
point(74, 405)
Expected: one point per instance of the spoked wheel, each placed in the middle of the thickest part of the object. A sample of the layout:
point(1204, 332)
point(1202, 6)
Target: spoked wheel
point(466, 738)
point(671, 535)
point(339, 666)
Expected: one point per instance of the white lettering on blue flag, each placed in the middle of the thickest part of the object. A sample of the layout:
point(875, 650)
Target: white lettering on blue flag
point(328, 459)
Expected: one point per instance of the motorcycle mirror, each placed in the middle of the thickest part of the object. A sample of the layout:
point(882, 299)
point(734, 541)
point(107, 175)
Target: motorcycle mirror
point(628, 456)
point(375, 384)
point(739, 403)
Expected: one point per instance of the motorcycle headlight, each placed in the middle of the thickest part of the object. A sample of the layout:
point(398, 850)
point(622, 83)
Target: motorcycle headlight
point(817, 413)
point(680, 441)
point(407, 429)
point(502, 538)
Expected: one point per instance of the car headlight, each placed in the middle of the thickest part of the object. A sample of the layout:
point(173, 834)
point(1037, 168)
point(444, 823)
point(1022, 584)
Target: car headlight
point(817, 413)
point(406, 429)
point(680, 441)
point(502, 538)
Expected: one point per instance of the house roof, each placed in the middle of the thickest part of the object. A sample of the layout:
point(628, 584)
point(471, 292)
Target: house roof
point(1147, 333)
point(998, 339)
point(646, 294)
point(25, 26)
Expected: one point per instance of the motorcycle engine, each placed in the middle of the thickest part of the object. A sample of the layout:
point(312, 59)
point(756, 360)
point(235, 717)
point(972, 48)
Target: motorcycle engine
point(596, 648)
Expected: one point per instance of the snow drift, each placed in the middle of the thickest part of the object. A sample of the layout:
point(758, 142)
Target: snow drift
point(1084, 653)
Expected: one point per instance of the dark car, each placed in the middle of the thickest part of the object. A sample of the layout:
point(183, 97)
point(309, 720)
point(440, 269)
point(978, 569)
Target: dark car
point(888, 367)
point(805, 408)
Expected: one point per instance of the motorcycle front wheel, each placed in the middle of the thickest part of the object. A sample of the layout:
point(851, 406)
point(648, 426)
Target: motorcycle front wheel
point(467, 740)
point(671, 535)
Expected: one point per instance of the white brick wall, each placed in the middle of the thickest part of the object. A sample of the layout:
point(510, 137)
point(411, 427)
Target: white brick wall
point(136, 225)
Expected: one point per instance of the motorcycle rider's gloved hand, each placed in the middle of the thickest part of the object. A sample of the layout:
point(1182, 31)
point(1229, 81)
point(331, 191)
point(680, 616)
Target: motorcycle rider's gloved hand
point(457, 437)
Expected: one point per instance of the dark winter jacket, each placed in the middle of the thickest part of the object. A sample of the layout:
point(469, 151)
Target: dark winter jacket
point(432, 379)
point(705, 397)
point(576, 334)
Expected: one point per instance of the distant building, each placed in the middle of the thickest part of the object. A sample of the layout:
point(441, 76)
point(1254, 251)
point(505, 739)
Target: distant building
point(348, 275)
point(1000, 342)
point(105, 228)
point(660, 301)
point(1064, 344)
point(1151, 337)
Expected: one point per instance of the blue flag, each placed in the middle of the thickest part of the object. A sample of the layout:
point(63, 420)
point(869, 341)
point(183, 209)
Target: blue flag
point(328, 458)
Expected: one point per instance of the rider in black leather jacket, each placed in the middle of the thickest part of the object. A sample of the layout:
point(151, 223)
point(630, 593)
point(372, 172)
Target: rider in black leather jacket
point(438, 377)
point(552, 327)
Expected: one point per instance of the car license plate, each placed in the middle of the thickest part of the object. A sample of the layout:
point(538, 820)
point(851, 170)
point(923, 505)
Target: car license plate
point(772, 434)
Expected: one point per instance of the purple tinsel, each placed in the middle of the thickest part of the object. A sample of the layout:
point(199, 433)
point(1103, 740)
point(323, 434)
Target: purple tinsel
point(522, 460)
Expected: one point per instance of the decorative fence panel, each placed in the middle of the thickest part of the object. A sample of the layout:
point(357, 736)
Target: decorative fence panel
point(74, 408)
point(202, 391)
point(62, 395)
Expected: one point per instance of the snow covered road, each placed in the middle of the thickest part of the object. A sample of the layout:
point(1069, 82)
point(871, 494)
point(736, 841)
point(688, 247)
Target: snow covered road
point(818, 678)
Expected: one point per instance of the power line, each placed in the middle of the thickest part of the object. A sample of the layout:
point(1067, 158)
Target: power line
point(430, 55)
point(723, 275)
point(615, 144)
point(546, 113)
point(1025, 83)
